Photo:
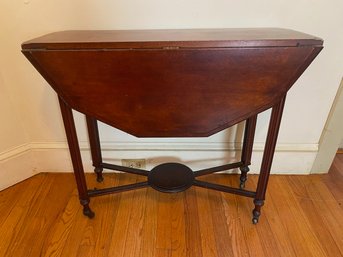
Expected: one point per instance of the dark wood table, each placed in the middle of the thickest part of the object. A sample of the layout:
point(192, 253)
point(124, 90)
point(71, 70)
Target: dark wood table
point(172, 83)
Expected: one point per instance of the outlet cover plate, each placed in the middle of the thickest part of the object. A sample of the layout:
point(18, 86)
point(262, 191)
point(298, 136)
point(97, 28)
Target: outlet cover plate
point(134, 163)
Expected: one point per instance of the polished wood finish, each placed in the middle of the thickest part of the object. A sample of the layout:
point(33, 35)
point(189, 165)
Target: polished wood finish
point(173, 83)
point(75, 154)
point(268, 154)
point(94, 141)
point(150, 92)
point(40, 217)
point(185, 38)
point(248, 142)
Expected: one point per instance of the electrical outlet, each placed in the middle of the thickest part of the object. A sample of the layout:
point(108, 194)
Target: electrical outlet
point(134, 163)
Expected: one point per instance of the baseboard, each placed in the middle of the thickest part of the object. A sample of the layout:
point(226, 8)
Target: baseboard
point(288, 159)
point(26, 160)
point(16, 165)
point(175, 146)
point(14, 151)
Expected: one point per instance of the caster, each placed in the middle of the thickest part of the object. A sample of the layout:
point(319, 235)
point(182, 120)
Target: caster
point(88, 212)
point(243, 176)
point(98, 172)
point(99, 178)
point(256, 213)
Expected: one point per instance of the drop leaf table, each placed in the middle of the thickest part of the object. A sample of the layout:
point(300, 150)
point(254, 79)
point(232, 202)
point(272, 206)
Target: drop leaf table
point(172, 83)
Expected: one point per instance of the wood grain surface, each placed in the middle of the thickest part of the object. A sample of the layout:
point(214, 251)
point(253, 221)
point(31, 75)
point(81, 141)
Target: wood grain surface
point(303, 217)
point(172, 83)
point(159, 38)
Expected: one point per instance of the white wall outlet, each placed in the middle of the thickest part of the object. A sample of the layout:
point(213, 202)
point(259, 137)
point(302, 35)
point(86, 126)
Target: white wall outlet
point(134, 163)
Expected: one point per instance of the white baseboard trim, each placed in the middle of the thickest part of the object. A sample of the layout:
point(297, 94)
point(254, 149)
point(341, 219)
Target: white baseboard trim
point(26, 160)
point(174, 146)
point(15, 166)
point(14, 151)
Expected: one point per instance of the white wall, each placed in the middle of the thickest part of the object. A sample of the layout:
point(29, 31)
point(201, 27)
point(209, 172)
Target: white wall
point(331, 136)
point(15, 163)
point(306, 108)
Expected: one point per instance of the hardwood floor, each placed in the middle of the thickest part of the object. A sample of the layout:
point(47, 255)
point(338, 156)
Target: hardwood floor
point(303, 216)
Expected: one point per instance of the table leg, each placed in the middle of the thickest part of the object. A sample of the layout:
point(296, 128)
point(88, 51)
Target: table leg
point(273, 130)
point(249, 133)
point(94, 141)
point(75, 154)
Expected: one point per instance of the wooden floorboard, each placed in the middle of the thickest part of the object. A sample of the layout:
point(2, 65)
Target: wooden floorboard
point(302, 216)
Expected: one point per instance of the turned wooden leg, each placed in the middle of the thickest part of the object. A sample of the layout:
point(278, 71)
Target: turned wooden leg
point(75, 154)
point(94, 141)
point(273, 130)
point(248, 142)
